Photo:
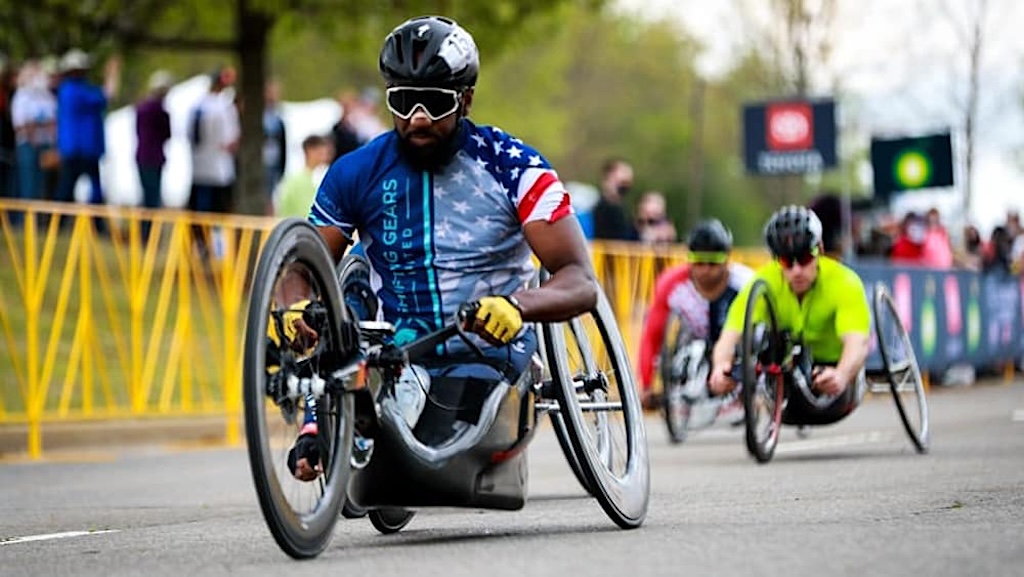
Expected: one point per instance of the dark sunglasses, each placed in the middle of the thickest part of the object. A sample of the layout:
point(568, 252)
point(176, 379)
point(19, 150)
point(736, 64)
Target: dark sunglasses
point(436, 102)
point(802, 259)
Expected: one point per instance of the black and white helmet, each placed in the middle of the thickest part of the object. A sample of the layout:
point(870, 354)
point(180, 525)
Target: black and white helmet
point(793, 230)
point(710, 236)
point(430, 51)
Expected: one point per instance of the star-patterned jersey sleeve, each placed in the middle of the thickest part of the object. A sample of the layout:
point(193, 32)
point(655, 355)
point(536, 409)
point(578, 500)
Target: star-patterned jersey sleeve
point(526, 177)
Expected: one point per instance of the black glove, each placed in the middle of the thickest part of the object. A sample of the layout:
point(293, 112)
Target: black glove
point(305, 447)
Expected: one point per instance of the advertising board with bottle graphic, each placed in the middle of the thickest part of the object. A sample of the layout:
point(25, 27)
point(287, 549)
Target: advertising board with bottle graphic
point(974, 316)
point(952, 316)
point(929, 322)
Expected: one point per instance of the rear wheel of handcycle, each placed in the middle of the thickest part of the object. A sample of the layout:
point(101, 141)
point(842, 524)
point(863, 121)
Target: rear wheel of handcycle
point(390, 520)
point(675, 407)
point(901, 369)
point(600, 407)
point(300, 515)
point(762, 379)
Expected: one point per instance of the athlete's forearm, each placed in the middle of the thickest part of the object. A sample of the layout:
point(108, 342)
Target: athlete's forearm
point(724, 353)
point(853, 357)
point(569, 292)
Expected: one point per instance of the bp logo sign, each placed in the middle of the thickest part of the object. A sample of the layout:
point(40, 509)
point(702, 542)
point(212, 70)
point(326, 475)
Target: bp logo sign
point(902, 164)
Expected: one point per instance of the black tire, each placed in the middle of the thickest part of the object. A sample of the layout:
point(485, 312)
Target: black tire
point(901, 369)
point(389, 521)
point(761, 377)
point(300, 516)
point(674, 407)
point(600, 406)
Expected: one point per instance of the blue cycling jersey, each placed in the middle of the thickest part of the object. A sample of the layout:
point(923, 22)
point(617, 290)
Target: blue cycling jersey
point(437, 239)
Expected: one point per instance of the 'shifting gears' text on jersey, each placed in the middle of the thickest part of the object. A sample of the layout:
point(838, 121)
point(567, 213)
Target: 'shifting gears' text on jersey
point(436, 240)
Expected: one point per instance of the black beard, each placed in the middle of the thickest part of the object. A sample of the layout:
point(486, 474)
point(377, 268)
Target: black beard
point(431, 157)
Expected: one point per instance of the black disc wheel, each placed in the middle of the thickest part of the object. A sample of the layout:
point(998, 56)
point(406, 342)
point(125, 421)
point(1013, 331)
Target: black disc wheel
point(901, 369)
point(761, 376)
point(283, 387)
point(600, 407)
point(676, 407)
point(390, 520)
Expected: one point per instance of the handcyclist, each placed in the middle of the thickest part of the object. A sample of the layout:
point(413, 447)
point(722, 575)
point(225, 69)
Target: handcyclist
point(822, 305)
point(699, 292)
point(448, 213)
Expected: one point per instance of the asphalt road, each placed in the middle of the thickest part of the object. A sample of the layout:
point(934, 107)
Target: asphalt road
point(852, 499)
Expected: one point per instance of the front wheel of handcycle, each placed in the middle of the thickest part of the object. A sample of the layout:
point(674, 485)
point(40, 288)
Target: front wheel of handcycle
point(282, 386)
point(676, 408)
point(901, 369)
point(600, 407)
point(762, 379)
point(390, 520)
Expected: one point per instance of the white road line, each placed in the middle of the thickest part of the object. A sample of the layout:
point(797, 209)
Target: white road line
point(49, 536)
point(1017, 416)
point(868, 438)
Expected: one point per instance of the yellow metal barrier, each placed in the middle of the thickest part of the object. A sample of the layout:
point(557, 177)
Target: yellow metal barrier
point(115, 325)
point(102, 322)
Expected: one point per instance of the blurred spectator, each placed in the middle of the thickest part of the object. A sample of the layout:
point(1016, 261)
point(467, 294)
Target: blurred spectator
point(998, 255)
point(298, 190)
point(829, 209)
point(359, 121)
point(973, 253)
point(34, 116)
point(275, 143)
point(1016, 233)
point(937, 250)
point(152, 130)
point(8, 186)
point(343, 133)
point(610, 219)
point(367, 121)
point(583, 196)
point(215, 135)
point(81, 107)
point(652, 222)
point(908, 248)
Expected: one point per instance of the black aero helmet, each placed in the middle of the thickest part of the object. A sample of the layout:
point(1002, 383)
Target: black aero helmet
point(792, 230)
point(430, 51)
point(709, 236)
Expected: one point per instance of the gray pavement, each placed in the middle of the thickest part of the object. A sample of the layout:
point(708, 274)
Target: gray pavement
point(852, 499)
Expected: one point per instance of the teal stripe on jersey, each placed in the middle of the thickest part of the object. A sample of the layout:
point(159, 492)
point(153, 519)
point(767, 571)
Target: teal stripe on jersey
point(428, 249)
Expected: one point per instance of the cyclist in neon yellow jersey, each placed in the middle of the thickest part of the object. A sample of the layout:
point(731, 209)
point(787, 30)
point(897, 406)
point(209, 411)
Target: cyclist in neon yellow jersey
point(823, 306)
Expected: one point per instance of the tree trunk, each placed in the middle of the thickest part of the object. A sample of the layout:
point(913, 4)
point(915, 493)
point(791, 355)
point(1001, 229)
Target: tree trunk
point(696, 154)
point(253, 30)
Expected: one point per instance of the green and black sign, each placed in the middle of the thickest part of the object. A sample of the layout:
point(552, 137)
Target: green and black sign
point(902, 164)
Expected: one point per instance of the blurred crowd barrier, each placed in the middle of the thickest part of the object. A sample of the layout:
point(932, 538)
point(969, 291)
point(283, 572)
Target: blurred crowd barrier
point(113, 313)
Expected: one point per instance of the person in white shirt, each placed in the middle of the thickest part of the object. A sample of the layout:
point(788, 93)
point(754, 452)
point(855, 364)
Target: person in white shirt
point(34, 116)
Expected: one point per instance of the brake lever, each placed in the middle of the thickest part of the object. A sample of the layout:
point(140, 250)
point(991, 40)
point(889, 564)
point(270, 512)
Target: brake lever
point(463, 319)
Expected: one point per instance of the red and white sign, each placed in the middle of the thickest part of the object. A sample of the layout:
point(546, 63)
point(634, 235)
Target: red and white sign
point(790, 126)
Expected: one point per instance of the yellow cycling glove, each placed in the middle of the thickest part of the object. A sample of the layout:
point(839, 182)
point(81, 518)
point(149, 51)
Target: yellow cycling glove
point(498, 319)
point(291, 316)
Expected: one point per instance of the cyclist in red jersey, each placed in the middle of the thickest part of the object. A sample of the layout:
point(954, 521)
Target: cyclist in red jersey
point(699, 293)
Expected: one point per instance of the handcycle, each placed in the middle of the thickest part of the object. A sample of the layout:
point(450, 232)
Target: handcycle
point(768, 365)
point(683, 366)
point(372, 460)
